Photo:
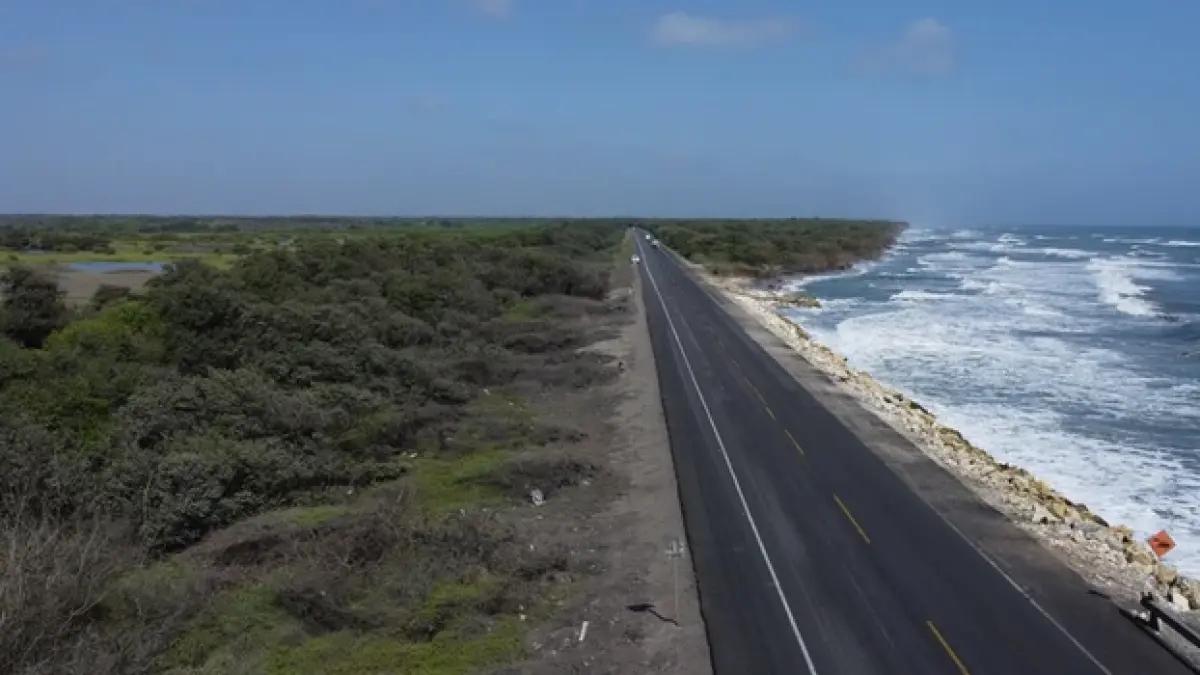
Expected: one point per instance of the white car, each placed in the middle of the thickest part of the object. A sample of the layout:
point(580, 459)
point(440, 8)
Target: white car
point(648, 237)
point(635, 259)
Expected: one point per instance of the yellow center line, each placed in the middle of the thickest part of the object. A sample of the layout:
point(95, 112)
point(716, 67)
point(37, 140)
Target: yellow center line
point(793, 440)
point(946, 645)
point(850, 517)
point(759, 395)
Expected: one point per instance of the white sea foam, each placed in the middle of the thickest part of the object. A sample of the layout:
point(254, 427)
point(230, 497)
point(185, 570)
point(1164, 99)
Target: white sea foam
point(797, 283)
point(918, 295)
point(985, 246)
point(1117, 280)
point(1071, 253)
point(1181, 242)
point(1128, 240)
point(983, 286)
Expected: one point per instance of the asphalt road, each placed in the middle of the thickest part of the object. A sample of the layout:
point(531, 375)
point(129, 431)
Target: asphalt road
point(813, 556)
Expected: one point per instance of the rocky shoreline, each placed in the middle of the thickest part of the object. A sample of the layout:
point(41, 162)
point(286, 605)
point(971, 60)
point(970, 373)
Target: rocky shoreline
point(1109, 556)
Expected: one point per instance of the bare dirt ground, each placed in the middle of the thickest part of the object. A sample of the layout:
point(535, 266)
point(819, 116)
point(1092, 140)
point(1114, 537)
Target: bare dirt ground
point(79, 285)
point(620, 527)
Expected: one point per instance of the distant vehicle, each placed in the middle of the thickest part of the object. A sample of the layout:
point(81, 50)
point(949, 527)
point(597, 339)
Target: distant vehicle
point(635, 259)
point(649, 238)
point(654, 243)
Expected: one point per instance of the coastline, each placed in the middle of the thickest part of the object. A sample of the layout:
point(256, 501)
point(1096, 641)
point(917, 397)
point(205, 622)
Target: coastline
point(1110, 557)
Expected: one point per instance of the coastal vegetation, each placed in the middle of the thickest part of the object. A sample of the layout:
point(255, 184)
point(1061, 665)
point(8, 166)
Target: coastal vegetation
point(770, 248)
point(298, 461)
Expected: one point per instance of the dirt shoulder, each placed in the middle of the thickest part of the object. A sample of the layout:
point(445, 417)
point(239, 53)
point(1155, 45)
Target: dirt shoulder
point(633, 625)
point(962, 477)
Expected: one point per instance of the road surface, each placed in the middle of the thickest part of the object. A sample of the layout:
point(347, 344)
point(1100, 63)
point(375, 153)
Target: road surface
point(813, 556)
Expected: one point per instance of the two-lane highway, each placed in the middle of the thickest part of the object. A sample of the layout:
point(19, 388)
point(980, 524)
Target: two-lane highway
point(812, 555)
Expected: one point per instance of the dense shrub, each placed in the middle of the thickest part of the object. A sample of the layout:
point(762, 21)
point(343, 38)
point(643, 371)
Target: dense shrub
point(764, 248)
point(32, 306)
point(220, 393)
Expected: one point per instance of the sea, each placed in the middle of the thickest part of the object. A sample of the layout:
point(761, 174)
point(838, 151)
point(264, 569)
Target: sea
point(1073, 352)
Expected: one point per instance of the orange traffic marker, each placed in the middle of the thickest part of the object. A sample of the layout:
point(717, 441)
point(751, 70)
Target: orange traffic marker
point(1161, 543)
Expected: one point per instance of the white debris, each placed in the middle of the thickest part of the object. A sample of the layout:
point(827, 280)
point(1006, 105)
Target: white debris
point(536, 496)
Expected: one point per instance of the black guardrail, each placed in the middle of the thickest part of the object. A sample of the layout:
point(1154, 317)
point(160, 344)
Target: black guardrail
point(1155, 618)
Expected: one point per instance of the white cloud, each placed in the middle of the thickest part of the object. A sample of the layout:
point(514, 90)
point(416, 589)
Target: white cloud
point(681, 29)
point(927, 47)
point(496, 8)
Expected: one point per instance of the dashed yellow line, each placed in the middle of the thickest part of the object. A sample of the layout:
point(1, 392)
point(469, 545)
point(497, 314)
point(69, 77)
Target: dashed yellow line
point(850, 517)
point(949, 650)
point(756, 391)
point(793, 440)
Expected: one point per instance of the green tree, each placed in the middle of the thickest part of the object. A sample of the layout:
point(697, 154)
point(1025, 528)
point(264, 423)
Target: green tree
point(33, 306)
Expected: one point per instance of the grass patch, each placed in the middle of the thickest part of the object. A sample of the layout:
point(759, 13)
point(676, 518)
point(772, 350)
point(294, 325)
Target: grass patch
point(123, 251)
point(229, 637)
point(447, 485)
point(345, 653)
point(311, 516)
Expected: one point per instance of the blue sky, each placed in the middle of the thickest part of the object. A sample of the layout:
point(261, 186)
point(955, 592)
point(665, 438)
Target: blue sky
point(938, 112)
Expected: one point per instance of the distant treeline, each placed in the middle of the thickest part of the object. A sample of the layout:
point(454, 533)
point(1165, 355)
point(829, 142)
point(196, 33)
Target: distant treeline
point(767, 248)
point(147, 224)
point(23, 239)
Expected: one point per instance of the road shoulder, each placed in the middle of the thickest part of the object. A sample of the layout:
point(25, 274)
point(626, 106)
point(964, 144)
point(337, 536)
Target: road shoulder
point(630, 538)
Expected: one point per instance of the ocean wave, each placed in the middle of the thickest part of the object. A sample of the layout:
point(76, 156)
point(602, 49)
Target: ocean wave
point(918, 295)
point(1127, 240)
point(1072, 253)
point(985, 286)
point(798, 283)
point(986, 246)
point(1118, 287)
point(1181, 243)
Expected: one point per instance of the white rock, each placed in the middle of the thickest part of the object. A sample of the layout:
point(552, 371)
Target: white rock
point(1179, 601)
point(1040, 515)
point(536, 496)
point(1165, 574)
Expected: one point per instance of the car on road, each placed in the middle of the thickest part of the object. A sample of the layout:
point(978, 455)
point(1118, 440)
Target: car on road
point(635, 259)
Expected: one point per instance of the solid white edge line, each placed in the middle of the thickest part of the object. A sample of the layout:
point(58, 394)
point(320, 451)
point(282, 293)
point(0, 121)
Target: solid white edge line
point(1025, 594)
point(975, 547)
point(729, 465)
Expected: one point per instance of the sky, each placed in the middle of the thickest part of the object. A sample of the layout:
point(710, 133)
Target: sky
point(939, 113)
